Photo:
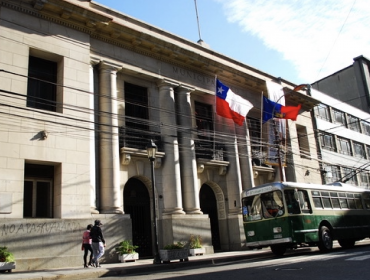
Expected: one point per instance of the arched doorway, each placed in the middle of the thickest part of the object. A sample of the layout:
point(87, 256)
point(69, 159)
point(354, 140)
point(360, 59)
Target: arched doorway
point(208, 205)
point(137, 204)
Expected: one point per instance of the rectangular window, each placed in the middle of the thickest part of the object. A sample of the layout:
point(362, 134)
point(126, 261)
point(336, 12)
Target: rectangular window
point(322, 111)
point(42, 84)
point(254, 127)
point(205, 148)
point(339, 117)
point(344, 146)
point(304, 147)
point(364, 177)
point(365, 127)
point(359, 150)
point(368, 151)
point(350, 176)
point(38, 191)
point(354, 123)
point(135, 134)
point(327, 141)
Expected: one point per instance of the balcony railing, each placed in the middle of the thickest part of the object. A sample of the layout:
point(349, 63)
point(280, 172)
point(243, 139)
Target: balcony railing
point(208, 150)
point(138, 138)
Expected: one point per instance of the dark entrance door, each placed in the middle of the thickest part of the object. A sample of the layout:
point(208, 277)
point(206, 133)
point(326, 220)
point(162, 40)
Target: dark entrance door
point(208, 205)
point(137, 204)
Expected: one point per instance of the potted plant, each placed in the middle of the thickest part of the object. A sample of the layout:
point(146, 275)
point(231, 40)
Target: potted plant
point(126, 251)
point(175, 251)
point(7, 262)
point(195, 245)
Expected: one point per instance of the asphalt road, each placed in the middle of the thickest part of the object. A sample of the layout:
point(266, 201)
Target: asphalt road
point(301, 264)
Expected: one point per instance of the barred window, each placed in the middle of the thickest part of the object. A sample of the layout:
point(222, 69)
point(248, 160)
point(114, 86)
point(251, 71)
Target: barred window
point(322, 111)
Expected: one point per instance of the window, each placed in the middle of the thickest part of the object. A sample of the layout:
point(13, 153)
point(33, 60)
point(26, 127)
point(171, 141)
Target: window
point(332, 173)
point(136, 107)
point(205, 146)
point(327, 141)
point(323, 112)
point(254, 126)
point(303, 144)
point(135, 133)
point(336, 200)
point(365, 127)
point(344, 146)
point(354, 123)
point(42, 84)
point(364, 177)
point(368, 151)
point(350, 176)
point(204, 120)
point(339, 117)
point(38, 191)
point(359, 150)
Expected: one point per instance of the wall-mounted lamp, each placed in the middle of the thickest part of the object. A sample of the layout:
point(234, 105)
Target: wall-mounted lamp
point(44, 134)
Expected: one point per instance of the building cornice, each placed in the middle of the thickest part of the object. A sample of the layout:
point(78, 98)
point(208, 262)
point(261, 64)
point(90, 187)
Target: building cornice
point(104, 24)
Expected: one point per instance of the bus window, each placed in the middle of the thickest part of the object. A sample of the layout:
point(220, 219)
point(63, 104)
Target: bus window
point(253, 205)
point(358, 201)
point(272, 204)
point(304, 202)
point(366, 198)
point(292, 203)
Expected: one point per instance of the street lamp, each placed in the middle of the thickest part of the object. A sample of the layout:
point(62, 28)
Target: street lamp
point(151, 148)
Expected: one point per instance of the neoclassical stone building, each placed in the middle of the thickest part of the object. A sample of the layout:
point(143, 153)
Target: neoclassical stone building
point(83, 90)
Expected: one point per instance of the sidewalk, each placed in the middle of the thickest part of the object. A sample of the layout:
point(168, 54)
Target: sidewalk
point(141, 265)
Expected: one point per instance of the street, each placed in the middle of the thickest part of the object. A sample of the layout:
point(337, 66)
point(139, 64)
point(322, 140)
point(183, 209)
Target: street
point(301, 264)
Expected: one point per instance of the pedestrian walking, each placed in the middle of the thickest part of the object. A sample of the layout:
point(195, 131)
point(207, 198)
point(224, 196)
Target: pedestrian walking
point(98, 242)
point(86, 246)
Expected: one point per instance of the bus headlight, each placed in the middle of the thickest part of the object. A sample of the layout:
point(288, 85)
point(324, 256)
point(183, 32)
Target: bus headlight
point(250, 233)
point(277, 229)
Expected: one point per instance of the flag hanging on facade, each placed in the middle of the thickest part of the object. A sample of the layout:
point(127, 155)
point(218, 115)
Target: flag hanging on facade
point(230, 105)
point(272, 109)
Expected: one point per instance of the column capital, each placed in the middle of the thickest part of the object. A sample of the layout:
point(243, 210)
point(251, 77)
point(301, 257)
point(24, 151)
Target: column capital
point(167, 83)
point(106, 65)
point(94, 61)
point(185, 89)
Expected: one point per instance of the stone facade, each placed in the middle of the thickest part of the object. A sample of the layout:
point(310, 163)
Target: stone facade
point(79, 154)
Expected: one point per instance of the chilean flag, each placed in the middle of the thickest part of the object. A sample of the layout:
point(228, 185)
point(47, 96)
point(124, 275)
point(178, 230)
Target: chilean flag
point(229, 105)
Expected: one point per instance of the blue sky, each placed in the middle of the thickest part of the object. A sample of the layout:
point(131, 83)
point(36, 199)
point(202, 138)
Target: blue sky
point(300, 41)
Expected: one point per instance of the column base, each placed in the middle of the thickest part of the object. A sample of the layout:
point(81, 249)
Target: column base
point(112, 210)
point(174, 211)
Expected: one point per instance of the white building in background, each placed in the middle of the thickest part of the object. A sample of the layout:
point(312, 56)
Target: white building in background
point(343, 135)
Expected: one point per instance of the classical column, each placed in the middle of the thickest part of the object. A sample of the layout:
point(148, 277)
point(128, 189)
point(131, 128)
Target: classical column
point(171, 180)
point(245, 156)
point(93, 111)
point(233, 176)
point(188, 163)
point(110, 196)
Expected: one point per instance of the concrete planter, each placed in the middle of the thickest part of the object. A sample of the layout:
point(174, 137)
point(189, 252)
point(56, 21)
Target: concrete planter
point(128, 257)
point(7, 266)
point(197, 251)
point(174, 254)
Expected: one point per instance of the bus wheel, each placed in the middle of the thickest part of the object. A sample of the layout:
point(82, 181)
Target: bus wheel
point(347, 243)
point(278, 250)
point(325, 242)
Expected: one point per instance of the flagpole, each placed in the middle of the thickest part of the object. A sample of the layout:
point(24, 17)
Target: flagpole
point(261, 128)
point(214, 120)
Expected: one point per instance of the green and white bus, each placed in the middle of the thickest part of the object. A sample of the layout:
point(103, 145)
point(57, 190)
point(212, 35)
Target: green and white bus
point(291, 215)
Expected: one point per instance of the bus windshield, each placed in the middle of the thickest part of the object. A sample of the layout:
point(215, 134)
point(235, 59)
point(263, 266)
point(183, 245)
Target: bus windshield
point(267, 205)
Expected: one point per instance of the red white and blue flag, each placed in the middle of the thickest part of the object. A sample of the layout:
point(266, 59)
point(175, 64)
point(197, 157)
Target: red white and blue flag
point(230, 105)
